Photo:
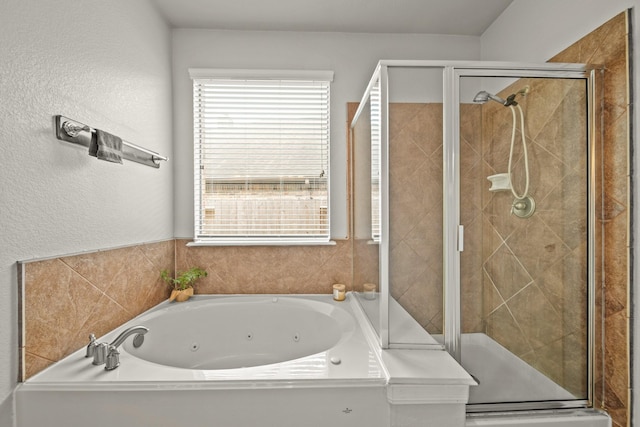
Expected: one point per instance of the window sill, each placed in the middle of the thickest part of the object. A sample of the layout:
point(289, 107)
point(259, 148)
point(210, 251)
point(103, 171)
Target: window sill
point(292, 242)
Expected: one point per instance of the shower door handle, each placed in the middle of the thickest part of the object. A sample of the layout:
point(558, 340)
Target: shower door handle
point(460, 238)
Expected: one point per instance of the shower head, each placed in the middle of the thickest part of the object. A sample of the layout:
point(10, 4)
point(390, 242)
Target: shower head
point(483, 96)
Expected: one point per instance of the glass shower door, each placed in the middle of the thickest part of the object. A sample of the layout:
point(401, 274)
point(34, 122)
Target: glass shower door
point(524, 271)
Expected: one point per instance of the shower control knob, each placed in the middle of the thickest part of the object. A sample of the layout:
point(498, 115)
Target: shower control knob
point(523, 208)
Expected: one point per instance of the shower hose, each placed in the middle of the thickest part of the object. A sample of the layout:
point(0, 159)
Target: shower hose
point(524, 149)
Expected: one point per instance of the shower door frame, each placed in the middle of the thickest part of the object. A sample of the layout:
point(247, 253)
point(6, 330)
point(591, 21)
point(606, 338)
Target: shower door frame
point(453, 230)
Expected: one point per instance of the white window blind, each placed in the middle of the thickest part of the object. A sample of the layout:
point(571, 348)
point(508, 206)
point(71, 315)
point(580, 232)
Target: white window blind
point(261, 150)
point(376, 147)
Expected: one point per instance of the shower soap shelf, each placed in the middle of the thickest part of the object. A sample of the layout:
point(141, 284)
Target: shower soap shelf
point(500, 182)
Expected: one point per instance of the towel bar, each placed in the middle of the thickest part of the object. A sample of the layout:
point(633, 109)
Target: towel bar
point(78, 133)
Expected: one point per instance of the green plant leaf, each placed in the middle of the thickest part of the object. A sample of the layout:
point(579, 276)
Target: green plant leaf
point(183, 280)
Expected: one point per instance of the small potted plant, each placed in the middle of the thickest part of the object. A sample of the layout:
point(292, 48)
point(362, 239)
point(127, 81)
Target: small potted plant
point(183, 282)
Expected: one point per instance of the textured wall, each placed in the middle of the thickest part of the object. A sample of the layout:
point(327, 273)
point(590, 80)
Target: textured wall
point(104, 63)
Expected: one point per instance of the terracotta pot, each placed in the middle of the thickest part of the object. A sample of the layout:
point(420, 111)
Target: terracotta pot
point(181, 295)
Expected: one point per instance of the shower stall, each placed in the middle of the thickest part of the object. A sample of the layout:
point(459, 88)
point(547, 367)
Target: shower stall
point(475, 187)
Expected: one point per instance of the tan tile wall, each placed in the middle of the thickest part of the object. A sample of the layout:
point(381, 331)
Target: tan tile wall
point(519, 282)
point(415, 211)
point(65, 299)
point(608, 45)
point(268, 269)
point(415, 217)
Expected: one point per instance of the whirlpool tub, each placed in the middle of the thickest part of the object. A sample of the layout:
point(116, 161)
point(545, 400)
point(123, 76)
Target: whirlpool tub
point(242, 361)
point(242, 332)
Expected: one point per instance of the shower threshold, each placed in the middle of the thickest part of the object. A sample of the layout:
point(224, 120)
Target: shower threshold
point(514, 394)
point(550, 418)
point(503, 376)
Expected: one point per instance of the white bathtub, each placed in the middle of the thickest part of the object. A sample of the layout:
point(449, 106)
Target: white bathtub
point(213, 339)
point(221, 361)
point(242, 361)
point(252, 331)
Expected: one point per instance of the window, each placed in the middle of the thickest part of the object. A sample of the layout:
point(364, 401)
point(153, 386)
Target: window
point(261, 150)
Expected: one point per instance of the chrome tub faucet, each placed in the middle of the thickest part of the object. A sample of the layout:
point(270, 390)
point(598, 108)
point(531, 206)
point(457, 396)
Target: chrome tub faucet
point(108, 354)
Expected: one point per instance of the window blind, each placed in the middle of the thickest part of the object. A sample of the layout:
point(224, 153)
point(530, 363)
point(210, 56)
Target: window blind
point(261, 157)
point(376, 147)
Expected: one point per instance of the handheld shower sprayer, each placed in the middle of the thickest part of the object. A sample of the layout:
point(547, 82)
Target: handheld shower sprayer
point(523, 206)
point(484, 96)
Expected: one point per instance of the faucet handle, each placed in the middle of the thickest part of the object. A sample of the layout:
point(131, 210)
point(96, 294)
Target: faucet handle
point(100, 353)
point(113, 358)
point(91, 347)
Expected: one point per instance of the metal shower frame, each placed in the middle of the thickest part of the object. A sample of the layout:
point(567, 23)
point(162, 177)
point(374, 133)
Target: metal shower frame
point(452, 72)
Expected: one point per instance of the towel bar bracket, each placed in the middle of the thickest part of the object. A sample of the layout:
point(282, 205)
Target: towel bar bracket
point(72, 131)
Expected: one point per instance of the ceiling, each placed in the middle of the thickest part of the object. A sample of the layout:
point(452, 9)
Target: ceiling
point(462, 17)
